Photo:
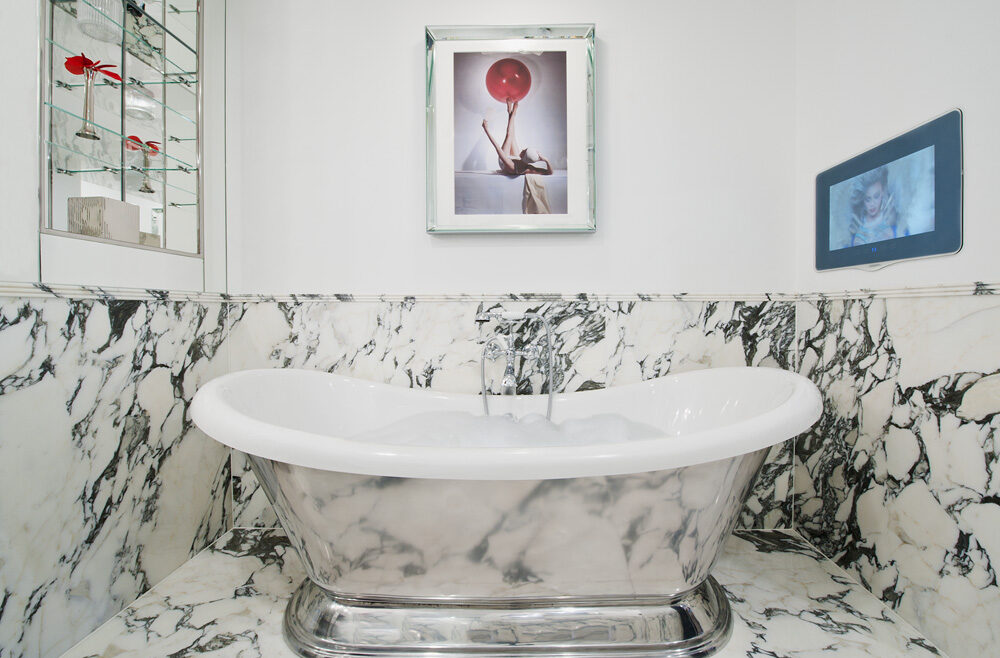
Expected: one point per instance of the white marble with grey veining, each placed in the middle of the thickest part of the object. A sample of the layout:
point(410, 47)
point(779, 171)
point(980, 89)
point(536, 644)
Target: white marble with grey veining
point(437, 345)
point(105, 486)
point(228, 602)
point(899, 482)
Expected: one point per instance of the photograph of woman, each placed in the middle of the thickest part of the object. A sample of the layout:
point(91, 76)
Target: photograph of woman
point(496, 172)
point(893, 201)
point(874, 217)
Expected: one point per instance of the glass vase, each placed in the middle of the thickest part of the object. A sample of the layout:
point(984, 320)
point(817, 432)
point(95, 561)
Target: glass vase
point(146, 188)
point(87, 131)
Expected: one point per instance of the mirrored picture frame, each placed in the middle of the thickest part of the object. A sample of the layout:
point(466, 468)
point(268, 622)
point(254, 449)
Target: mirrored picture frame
point(510, 129)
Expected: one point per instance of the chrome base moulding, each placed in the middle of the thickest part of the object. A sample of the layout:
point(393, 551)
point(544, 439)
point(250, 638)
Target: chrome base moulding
point(320, 624)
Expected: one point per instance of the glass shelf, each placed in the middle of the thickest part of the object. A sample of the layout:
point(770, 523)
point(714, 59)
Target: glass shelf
point(115, 133)
point(139, 38)
point(131, 83)
point(156, 173)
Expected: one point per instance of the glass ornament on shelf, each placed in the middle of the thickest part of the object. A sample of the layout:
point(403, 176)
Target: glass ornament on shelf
point(87, 131)
point(139, 104)
point(149, 150)
point(96, 19)
point(88, 68)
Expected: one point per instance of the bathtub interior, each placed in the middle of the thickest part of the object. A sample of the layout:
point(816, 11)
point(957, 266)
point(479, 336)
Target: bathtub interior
point(335, 406)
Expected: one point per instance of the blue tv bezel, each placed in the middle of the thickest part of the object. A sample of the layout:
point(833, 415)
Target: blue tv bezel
point(945, 135)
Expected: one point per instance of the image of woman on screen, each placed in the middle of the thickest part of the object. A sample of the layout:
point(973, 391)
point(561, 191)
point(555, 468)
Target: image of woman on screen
point(874, 212)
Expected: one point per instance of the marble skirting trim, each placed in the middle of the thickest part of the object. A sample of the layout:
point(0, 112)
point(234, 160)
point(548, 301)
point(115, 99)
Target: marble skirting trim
point(438, 345)
point(105, 486)
point(899, 483)
point(8, 289)
point(228, 601)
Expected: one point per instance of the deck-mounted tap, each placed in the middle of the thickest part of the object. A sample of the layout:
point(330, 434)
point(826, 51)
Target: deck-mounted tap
point(498, 346)
point(508, 383)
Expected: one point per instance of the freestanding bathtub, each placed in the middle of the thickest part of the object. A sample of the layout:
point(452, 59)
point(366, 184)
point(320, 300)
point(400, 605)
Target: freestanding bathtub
point(525, 550)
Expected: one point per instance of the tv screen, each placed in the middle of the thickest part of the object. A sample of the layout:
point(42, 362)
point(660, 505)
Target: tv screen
point(901, 199)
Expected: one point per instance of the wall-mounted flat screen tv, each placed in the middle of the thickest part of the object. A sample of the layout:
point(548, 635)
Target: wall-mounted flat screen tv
point(900, 200)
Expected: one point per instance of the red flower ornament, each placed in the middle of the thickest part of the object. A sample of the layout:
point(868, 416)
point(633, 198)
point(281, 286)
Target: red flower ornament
point(135, 143)
point(81, 64)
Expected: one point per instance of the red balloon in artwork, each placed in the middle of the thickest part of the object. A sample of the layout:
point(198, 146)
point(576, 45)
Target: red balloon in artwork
point(508, 79)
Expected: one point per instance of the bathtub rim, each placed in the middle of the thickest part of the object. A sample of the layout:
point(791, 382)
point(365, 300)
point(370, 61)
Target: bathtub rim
point(214, 416)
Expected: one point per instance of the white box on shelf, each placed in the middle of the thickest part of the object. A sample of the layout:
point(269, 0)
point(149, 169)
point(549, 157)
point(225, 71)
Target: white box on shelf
point(103, 217)
point(149, 239)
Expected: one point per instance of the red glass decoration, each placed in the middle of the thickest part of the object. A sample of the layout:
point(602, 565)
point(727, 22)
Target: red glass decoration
point(134, 143)
point(81, 64)
point(508, 79)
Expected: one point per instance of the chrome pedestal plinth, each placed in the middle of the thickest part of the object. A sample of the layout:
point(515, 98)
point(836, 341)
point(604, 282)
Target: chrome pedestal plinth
point(321, 624)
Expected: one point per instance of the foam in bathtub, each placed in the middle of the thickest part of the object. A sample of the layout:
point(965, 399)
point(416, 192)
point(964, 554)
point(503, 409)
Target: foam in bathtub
point(459, 429)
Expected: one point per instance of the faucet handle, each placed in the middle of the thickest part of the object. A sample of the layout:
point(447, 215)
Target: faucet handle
point(495, 347)
point(533, 351)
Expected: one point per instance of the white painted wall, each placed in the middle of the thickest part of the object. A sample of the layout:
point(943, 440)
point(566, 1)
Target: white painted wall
point(213, 162)
point(326, 151)
point(19, 99)
point(867, 71)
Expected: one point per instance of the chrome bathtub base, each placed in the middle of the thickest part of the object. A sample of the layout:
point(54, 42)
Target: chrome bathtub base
point(321, 624)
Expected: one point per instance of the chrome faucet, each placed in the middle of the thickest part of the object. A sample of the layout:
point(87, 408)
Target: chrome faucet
point(500, 346)
point(496, 347)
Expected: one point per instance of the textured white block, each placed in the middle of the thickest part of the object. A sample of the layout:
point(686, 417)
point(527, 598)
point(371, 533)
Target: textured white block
point(102, 217)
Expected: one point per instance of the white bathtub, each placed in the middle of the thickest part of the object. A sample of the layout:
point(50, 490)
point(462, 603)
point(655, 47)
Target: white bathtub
point(419, 547)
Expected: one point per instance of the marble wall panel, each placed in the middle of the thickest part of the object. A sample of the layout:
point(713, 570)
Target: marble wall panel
point(105, 486)
point(900, 480)
point(437, 344)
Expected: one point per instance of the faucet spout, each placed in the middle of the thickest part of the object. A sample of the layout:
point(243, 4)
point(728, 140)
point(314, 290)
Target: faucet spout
point(508, 385)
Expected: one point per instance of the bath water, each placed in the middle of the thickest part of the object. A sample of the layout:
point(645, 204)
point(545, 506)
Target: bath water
point(465, 430)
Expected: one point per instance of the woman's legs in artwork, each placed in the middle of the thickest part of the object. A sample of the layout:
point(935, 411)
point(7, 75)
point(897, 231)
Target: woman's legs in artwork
point(510, 140)
point(506, 164)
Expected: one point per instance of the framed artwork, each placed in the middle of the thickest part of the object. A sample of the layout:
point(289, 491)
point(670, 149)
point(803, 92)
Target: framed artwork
point(899, 200)
point(510, 129)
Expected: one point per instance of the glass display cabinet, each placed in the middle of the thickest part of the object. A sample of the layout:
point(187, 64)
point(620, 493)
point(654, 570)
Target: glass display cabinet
point(121, 123)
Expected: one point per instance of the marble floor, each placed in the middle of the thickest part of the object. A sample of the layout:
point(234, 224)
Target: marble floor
point(228, 602)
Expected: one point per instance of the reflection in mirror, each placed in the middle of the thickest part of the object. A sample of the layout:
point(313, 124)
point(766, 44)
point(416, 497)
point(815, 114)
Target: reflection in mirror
point(121, 109)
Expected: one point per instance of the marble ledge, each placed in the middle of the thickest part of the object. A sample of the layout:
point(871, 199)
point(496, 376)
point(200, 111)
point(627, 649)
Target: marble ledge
point(229, 600)
point(8, 289)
